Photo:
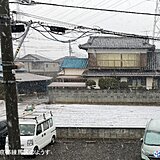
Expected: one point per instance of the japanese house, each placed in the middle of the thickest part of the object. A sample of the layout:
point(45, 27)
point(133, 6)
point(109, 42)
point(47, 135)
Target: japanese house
point(132, 60)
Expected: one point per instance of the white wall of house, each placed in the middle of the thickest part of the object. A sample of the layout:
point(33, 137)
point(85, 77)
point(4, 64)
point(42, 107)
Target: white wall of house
point(149, 83)
point(75, 72)
point(54, 67)
point(123, 79)
point(41, 66)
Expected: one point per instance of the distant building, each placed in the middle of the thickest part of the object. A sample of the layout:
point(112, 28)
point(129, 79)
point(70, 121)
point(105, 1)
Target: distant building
point(28, 83)
point(72, 69)
point(37, 64)
point(60, 60)
point(157, 52)
point(132, 60)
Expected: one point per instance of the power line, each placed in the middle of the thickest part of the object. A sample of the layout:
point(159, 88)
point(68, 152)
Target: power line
point(44, 19)
point(65, 14)
point(85, 31)
point(95, 14)
point(118, 13)
point(90, 8)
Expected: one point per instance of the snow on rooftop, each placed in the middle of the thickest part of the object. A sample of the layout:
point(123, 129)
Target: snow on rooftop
point(30, 77)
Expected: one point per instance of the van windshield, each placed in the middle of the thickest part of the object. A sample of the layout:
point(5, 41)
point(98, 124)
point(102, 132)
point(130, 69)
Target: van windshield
point(27, 129)
point(152, 138)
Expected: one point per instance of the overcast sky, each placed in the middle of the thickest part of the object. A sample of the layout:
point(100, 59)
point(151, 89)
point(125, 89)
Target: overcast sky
point(120, 22)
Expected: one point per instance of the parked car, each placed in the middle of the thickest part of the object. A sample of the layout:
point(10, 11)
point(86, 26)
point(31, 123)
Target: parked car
point(3, 133)
point(150, 148)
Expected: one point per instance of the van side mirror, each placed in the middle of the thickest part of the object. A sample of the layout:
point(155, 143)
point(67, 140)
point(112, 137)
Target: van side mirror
point(141, 140)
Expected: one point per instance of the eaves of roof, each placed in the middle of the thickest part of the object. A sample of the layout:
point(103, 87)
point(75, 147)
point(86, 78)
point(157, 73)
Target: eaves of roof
point(97, 73)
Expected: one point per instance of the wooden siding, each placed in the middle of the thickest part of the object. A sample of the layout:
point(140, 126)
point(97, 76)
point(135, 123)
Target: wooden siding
point(143, 60)
point(92, 62)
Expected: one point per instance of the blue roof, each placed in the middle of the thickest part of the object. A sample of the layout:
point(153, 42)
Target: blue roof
point(79, 63)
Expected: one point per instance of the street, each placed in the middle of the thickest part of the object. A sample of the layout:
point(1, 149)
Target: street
point(91, 149)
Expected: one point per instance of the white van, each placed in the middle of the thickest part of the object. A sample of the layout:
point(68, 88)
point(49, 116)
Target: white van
point(150, 148)
point(37, 130)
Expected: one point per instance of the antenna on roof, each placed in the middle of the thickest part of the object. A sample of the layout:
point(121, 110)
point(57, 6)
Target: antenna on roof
point(44, 116)
point(51, 113)
point(156, 21)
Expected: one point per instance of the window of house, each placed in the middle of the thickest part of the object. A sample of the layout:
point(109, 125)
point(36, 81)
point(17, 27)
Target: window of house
point(118, 60)
point(37, 65)
point(109, 60)
point(55, 65)
point(130, 60)
point(137, 82)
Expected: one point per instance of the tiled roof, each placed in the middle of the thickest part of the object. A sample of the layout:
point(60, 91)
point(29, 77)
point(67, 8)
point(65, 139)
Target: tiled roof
point(77, 63)
point(105, 73)
point(100, 42)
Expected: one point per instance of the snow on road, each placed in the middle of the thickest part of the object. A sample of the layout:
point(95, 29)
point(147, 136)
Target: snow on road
point(101, 115)
point(76, 115)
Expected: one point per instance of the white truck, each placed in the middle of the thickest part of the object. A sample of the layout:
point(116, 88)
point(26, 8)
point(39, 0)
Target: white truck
point(37, 130)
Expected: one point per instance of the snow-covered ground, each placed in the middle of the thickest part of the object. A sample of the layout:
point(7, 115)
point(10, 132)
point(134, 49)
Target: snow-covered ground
point(76, 115)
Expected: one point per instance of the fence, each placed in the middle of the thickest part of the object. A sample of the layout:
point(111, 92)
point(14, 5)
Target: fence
point(102, 133)
point(86, 96)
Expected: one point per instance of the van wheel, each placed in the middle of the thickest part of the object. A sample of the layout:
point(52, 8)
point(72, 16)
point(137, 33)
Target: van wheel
point(53, 140)
point(35, 151)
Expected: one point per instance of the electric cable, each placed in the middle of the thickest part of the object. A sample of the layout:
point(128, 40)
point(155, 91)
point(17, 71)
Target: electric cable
point(89, 8)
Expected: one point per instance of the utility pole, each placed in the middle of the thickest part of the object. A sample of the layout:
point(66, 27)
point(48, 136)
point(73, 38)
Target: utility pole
point(9, 80)
point(22, 40)
point(156, 30)
point(70, 49)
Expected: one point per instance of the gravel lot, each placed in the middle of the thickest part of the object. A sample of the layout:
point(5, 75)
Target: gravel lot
point(91, 149)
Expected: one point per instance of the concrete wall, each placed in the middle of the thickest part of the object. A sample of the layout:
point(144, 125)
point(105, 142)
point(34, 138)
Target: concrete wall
point(86, 96)
point(103, 133)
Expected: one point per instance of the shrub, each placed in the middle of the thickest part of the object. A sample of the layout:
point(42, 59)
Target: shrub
point(90, 83)
point(124, 85)
point(102, 83)
point(106, 83)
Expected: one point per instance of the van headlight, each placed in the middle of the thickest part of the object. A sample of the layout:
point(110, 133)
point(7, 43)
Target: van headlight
point(6, 140)
point(30, 142)
point(145, 152)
